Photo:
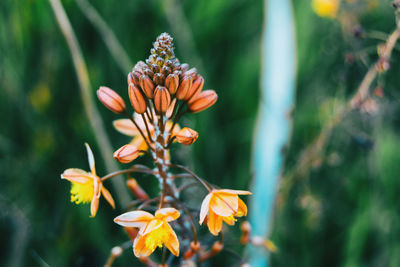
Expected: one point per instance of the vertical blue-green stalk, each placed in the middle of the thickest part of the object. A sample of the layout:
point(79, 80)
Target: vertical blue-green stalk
point(273, 126)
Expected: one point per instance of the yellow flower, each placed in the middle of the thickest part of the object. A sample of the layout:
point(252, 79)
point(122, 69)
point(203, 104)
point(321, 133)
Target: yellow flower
point(326, 8)
point(154, 231)
point(222, 205)
point(87, 186)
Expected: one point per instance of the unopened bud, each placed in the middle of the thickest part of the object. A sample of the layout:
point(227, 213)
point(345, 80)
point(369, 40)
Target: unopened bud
point(162, 99)
point(192, 73)
point(126, 154)
point(116, 251)
point(186, 136)
point(246, 229)
point(172, 82)
point(203, 101)
point(196, 88)
point(215, 249)
point(140, 66)
point(137, 100)
point(111, 100)
point(158, 78)
point(184, 87)
point(133, 78)
point(194, 247)
point(184, 67)
point(147, 85)
point(136, 190)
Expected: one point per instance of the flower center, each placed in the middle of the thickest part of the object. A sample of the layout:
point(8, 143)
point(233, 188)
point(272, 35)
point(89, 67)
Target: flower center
point(82, 193)
point(155, 238)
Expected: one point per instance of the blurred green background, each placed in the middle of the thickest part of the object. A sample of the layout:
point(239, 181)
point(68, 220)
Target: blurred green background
point(343, 212)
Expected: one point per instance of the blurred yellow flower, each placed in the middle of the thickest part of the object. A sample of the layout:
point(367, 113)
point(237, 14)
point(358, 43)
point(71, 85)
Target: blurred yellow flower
point(154, 231)
point(87, 186)
point(326, 8)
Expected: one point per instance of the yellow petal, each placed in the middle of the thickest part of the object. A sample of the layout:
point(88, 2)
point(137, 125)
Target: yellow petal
point(172, 242)
point(140, 249)
point(229, 220)
point(137, 218)
point(108, 197)
point(167, 214)
point(125, 126)
point(77, 176)
point(204, 208)
point(139, 142)
point(214, 223)
point(224, 204)
point(90, 159)
point(151, 226)
point(242, 210)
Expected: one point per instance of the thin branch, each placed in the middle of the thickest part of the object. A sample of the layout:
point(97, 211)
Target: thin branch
point(204, 183)
point(135, 168)
point(87, 98)
point(315, 149)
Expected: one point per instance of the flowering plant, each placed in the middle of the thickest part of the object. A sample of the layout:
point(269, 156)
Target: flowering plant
point(161, 90)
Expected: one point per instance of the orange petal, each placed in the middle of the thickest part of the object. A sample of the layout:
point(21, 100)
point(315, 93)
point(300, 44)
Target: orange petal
point(139, 247)
point(234, 192)
point(229, 220)
point(172, 243)
point(151, 226)
point(167, 214)
point(137, 218)
point(77, 176)
point(125, 126)
point(90, 159)
point(204, 208)
point(108, 197)
point(214, 223)
point(224, 204)
point(242, 210)
point(94, 206)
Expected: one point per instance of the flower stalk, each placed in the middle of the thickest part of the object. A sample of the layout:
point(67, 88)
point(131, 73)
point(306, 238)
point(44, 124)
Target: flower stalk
point(161, 90)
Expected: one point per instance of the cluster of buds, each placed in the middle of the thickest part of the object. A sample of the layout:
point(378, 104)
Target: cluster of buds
point(161, 90)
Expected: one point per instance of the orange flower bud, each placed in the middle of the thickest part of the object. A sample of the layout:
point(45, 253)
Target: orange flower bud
point(133, 78)
point(196, 88)
point(186, 136)
point(246, 229)
point(194, 248)
point(147, 85)
point(172, 82)
point(136, 190)
point(192, 73)
point(111, 99)
point(162, 99)
point(126, 154)
point(137, 100)
point(203, 101)
point(215, 249)
point(184, 87)
point(184, 67)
